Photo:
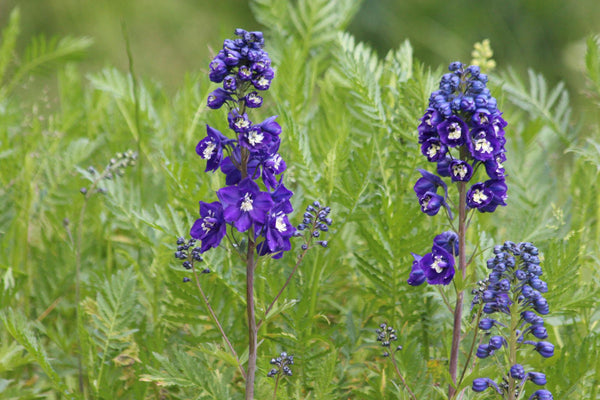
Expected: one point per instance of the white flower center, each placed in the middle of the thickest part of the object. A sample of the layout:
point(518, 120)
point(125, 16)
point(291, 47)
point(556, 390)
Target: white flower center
point(263, 81)
point(241, 123)
point(479, 197)
point(483, 146)
point(247, 203)
point(206, 224)
point(432, 150)
point(255, 137)
point(436, 264)
point(208, 150)
point(276, 161)
point(454, 132)
point(459, 170)
point(279, 224)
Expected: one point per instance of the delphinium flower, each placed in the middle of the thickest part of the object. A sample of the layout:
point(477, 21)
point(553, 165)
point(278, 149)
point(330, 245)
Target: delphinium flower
point(462, 133)
point(386, 335)
point(513, 305)
point(251, 200)
point(254, 201)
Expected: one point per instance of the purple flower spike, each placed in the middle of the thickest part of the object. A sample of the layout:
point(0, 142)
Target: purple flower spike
point(245, 204)
point(210, 228)
point(211, 148)
point(438, 266)
point(417, 276)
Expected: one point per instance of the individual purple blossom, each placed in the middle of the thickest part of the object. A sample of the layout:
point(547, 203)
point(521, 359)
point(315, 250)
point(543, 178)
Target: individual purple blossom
point(244, 204)
point(417, 276)
point(253, 100)
point(211, 148)
point(239, 123)
point(217, 98)
point(210, 228)
point(438, 266)
point(453, 131)
point(481, 384)
point(277, 232)
point(272, 165)
point(541, 394)
point(460, 171)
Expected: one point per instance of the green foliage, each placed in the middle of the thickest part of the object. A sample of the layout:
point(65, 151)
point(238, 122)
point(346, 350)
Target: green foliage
point(349, 120)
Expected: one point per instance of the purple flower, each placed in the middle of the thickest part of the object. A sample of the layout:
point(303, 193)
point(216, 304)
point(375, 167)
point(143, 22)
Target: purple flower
point(273, 165)
point(546, 349)
point(453, 132)
point(479, 196)
point(245, 204)
point(483, 144)
point(210, 228)
point(438, 266)
point(537, 377)
point(253, 100)
point(541, 394)
point(460, 171)
point(211, 148)
point(448, 241)
point(434, 149)
point(238, 123)
point(263, 81)
point(281, 197)
point(218, 69)
point(277, 233)
point(217, 98)
point(517, 372)
point(429, 183)
point(497, 188)
point(417, 276)
point(431, 203)
point(481, 384)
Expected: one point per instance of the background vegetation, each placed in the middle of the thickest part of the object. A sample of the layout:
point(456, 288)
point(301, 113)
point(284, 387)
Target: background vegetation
point(349, 114)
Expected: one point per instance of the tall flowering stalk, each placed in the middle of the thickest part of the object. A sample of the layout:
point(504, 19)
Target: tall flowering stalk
point(462, 132)
point(513, 303)
point(254, 201)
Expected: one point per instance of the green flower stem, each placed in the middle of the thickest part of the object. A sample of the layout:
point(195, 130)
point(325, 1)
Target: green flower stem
point(250, 311)
point(470, 354)
point(462, 269)
point(410, 392)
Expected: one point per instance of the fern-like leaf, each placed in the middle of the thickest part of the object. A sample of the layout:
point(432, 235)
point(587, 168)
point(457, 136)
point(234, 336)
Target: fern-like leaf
point(9, 40)
point(23, 332)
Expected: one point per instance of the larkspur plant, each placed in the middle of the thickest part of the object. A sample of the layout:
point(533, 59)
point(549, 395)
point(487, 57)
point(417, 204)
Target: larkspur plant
point(513, 292)
point(254, 200)
point(462, 132)
point(386, 335)
point(281, 368)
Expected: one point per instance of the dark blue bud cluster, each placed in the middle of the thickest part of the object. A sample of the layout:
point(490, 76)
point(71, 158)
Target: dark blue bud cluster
point(386, 335)
point(189, 253)
point(282, 364)
point(315, 222)
point(513, 291)
point(243, 67)
point(116, 167)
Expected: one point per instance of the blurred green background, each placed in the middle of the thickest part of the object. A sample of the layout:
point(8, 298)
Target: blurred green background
point(171, 37)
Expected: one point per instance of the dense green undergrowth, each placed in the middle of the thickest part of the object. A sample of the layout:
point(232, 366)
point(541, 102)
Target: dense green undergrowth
point(349, 124)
